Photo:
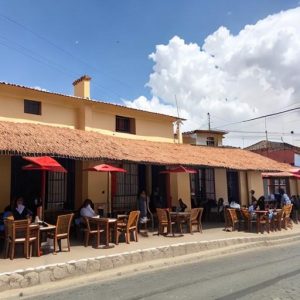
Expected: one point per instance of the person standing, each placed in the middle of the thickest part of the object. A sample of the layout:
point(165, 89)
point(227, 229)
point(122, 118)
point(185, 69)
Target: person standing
point(252, 197)
point(142, 205)
point(284, 198)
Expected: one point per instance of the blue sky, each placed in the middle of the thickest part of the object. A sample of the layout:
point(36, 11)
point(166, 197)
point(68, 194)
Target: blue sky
point(51, 43)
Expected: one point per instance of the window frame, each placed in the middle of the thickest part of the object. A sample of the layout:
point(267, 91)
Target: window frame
point(130, 127)
point(210, 141)
point(274, 184)
point(28, 107)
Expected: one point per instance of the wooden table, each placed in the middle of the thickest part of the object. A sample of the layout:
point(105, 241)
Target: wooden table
point(259, 215)
point(179, 216)
point(106, 223)
point(42, 229)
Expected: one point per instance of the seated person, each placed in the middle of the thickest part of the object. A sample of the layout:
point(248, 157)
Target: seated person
point(182, 206)
point(87, 209)
point(261, 203)
point(7, 212)
point(20, 211)
point(234, 204)
point(252, 208)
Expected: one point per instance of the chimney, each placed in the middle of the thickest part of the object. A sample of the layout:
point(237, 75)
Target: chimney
point(82, 87)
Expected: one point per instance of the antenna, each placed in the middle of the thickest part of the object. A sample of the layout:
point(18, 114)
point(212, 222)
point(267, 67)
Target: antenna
point(178, 123)
point(208, 119)
point(176, 102)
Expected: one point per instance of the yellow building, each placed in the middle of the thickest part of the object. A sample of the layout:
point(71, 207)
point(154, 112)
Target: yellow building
point(80, 132)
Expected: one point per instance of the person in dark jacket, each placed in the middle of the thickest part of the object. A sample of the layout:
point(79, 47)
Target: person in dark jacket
point(20, 211)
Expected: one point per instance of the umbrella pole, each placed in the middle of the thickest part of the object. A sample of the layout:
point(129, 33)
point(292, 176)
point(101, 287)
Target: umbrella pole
point(107, 200)
point(43, 193)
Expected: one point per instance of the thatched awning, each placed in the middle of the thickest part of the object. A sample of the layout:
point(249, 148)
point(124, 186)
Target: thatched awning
point(36, 139)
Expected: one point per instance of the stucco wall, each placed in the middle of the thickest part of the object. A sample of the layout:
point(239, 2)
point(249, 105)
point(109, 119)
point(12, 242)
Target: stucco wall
point(5, 177)
point(147, 128)
point(243, 188)
point(53, 112)
point(180, 188)
point(293, 187)
point(63, 111)
point(221, 184)
point(94, 184)
point(255, 182)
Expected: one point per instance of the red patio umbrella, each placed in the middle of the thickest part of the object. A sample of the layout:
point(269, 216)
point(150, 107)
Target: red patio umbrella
point(108, 169)
point(291, 173)
point(43, 164)
point(179, 169)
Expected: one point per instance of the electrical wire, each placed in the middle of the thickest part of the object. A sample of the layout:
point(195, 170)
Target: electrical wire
point(67, 53)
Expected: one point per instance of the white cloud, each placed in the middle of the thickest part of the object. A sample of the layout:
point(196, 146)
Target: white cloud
point(40, 88)
point(234, 77)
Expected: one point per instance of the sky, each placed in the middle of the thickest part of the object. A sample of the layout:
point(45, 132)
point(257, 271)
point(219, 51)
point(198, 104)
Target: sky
point(236, 60)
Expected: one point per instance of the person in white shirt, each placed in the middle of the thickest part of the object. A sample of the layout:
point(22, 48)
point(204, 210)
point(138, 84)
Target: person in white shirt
point(87, 209)
point(233, 204)
point(285, 200)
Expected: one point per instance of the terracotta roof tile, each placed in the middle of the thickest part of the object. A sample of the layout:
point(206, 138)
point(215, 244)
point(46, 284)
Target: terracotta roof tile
point(36, 139)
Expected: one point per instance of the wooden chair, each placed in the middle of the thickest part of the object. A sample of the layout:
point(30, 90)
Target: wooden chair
point(195, 219)
point(232, 218)
point(62, 231)
point(18, 232)
point(277, 220)
point(248, 220)
point(287, 221)
point(131, 225)
point(164, 221)
point(264, 221)
point(92, 228)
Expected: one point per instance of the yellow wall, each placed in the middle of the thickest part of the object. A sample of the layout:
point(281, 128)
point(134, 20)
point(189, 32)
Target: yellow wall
point(63, 111)
point(243, 188)
point(147, 128)
point(5, 176)
point(293, 187)
point(94, 184)
point(298, 186)
point(180, 188)
point(221, 184)
point(55, 113)
point(255, 182)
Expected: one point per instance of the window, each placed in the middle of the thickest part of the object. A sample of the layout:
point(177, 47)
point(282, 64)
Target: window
point(203, 186)
point(210, 141)
point(124, 124)
point(274, 184)
point(32, 107)
point(125, 198)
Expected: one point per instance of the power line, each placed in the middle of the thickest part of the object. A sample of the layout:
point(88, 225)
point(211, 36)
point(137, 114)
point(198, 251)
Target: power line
point(260, 117)
point(67, 53)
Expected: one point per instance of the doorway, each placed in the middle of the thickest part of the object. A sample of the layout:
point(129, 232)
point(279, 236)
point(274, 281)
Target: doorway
point(233, 186)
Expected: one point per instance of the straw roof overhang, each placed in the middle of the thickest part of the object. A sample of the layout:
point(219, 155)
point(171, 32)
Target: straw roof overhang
point(37, 139)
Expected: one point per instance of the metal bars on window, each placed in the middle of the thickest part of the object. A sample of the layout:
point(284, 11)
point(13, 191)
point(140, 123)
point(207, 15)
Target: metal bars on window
point(125, 198)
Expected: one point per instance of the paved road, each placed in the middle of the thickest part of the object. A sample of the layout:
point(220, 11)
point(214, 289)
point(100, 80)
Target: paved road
point(267, 273)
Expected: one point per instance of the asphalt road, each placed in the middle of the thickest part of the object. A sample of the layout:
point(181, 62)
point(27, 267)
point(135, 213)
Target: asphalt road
point(267, 273)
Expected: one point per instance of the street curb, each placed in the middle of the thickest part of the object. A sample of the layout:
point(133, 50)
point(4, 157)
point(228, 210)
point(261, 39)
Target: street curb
point(49, 273)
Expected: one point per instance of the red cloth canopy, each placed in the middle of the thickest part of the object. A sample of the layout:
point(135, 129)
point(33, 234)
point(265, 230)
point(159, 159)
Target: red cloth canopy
point(105, 168)
point(43, 163)
point(179, 169)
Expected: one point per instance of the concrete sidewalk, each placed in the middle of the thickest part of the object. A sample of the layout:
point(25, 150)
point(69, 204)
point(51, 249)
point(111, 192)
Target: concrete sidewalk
point(22, 272)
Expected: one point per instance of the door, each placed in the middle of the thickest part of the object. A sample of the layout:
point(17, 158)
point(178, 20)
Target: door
point(233, 186)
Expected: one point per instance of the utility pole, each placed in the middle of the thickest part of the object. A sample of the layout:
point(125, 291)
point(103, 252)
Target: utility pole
point(208, 119)
point(266, 131)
